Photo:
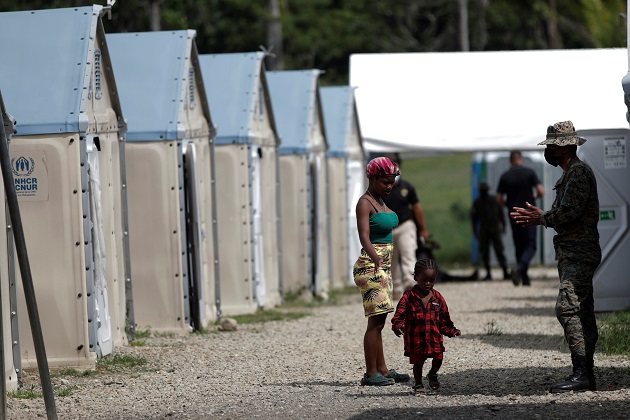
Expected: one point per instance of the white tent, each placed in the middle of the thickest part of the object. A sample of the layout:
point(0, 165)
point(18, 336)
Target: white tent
point(484, 100)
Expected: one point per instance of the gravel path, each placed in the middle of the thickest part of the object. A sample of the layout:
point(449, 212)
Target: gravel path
point(510, 350)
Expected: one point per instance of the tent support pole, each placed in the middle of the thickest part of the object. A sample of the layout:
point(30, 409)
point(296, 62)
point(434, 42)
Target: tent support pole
point(25, 270)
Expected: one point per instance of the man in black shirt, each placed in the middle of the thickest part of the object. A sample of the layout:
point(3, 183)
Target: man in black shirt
point(488, 223)
point(517, 184)
point(403, 200)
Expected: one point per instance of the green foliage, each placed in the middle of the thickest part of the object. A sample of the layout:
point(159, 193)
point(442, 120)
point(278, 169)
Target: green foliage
point(323, 33)
point(119, 363)
point(492, 329)
point(140, 334)
point(267, 315)
point(26, 393)
point(33, 392)
point(443, 186)
point(68, 371)
point(614, 333)
point(604, 20)
point(66, 391)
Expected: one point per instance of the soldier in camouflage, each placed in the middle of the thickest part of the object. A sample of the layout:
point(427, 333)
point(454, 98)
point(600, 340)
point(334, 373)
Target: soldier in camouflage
point(574, 215)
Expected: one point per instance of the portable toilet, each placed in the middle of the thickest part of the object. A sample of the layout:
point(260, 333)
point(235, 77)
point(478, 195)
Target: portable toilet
point(346, 168)
point(306, 237)
point(67, 160)
point(170, 164)
point(606, 152)
point(488, 167)
point(247, 181)
point(7, 277)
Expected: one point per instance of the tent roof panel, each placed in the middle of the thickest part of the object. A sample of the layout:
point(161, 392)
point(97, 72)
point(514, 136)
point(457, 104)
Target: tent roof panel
point(150, 69)
point(46, 73)
point(294, 96)
point(339, 114)
point(497, 100)
point(231, 82)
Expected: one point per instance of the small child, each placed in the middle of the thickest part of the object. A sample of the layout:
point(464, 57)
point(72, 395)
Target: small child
point(422, 317)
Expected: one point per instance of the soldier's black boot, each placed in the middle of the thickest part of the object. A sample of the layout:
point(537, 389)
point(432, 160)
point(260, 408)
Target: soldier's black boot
point(506, 273)
point(579, 380)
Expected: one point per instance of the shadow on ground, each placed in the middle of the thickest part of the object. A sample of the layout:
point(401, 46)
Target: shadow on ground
point(551, 410)
point(523, 311)
point(504, 340)
point(494, 382)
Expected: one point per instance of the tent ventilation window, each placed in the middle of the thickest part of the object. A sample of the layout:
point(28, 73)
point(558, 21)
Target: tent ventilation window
point(98, 73)
point(191, 88)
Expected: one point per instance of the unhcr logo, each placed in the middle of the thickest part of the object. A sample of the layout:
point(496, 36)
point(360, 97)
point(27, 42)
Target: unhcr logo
point(22, 167)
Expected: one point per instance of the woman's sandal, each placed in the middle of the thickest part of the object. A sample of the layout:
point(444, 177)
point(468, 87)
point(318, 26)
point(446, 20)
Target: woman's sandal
point(434, 384)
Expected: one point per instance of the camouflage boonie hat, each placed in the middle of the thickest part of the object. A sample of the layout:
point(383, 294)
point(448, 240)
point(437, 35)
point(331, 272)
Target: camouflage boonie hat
point(562, 134)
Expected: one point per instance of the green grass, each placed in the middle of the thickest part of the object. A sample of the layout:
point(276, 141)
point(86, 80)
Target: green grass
point(32, 392)
point(26, 393)
point(68, 371)
point(268, 315)
point(140, 334)
point(119, 363)
point(443, 187)
point(614, 333)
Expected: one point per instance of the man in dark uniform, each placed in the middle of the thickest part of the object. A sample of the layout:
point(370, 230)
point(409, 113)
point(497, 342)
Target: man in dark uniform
point(518, 184)
point(404, 201)
point(574, 215)
point(488, 223)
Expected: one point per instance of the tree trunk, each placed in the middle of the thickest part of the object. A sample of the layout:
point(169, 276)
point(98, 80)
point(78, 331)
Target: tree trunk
point(154, 15)
point(464, 42)
point(555, 42)
point(479, 36)
point(275, 60)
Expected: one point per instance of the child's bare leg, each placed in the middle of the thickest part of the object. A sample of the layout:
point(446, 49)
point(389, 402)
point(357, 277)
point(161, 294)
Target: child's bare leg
point(373, 345)
point(436, 364)
point(432, 375)
point(417, 375)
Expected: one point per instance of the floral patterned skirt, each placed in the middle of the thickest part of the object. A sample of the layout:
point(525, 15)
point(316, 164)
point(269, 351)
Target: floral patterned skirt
point(376, 288)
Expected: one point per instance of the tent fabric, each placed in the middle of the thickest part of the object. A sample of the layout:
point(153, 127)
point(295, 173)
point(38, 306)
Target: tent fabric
point(294, 95)
point(340, 115)
point(156, 113)
point(51, 104)
point(476, 101)
point(232, 82)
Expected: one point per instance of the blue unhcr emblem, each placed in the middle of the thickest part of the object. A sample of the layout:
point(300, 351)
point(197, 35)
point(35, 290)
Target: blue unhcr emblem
point(22, 166)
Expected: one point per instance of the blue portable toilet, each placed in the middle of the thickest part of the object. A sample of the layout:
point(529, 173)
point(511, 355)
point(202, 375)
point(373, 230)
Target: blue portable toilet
point(7, 278)
point(247, 181)
point(170, 172)
point(346, 166)
point(305, 198)
point(68, 163)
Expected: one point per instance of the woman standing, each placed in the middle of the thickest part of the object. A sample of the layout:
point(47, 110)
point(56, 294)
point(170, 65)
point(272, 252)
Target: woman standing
point(372, 271)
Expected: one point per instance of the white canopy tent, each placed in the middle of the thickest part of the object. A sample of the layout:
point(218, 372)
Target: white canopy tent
point(476, 101)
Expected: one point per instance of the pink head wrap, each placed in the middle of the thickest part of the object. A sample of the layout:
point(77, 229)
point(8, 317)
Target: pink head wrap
point(381, 166)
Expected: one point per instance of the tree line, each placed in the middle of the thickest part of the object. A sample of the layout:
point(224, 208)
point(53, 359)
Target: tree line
point(302, 34)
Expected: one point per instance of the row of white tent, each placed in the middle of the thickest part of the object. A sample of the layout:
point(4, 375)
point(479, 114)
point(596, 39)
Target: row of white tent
point(162, 189)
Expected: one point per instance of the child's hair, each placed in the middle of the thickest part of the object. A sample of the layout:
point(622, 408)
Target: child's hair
point(424, 264)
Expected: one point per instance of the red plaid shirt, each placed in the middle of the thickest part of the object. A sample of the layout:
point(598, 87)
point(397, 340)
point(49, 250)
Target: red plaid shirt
point(423, 327)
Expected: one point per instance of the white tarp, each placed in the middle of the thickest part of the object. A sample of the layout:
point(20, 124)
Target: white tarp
point(477, 101)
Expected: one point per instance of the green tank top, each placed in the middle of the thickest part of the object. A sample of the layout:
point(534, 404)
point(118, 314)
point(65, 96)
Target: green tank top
point(381, 225)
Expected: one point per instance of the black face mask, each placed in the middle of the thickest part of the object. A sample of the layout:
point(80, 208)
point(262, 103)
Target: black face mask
point(551, 157)
point(483, 193)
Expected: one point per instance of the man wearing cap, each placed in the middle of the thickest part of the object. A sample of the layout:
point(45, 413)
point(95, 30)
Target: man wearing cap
point(574, 215)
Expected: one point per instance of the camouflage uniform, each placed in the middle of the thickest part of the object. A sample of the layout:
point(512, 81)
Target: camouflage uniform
point(574, 215)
